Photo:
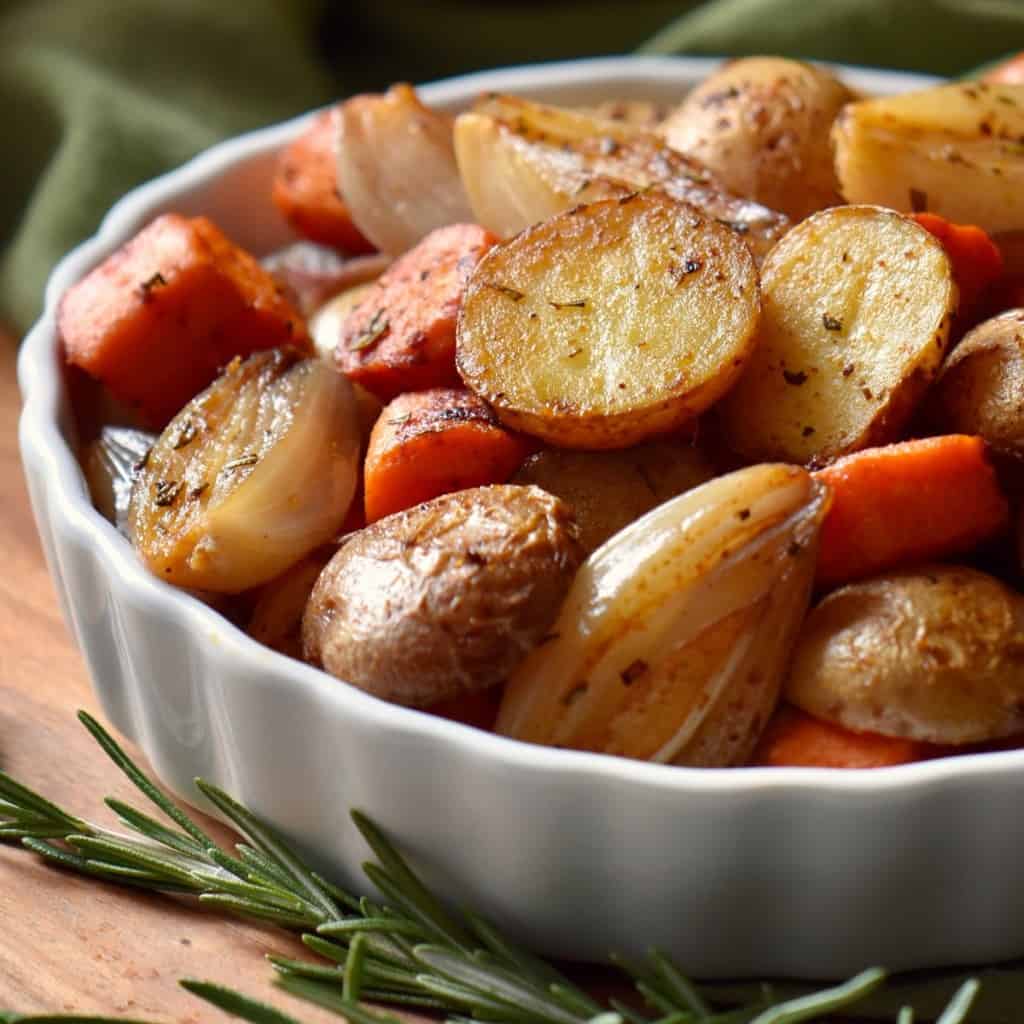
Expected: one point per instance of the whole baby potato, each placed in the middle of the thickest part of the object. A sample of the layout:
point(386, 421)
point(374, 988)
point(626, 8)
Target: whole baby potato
point(980, 389)
point(761, 126)
point(445, 598)
point(936, 654)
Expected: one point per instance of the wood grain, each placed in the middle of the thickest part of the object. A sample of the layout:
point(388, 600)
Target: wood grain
point(68, 945)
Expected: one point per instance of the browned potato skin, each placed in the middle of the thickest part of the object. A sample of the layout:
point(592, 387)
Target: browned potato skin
point(761, 126)
point(608, 490)
point(980, 389)
point(445, 598)
point(934, 654)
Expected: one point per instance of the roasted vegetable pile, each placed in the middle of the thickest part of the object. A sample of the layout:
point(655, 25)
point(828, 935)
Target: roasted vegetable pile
point(687, 435)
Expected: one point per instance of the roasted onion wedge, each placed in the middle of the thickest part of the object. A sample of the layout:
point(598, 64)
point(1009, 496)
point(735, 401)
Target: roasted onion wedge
point(110, 463)
point(673, 639)
point(325, 323)
point(250, 476)
point(397, 170)
point(523, 162)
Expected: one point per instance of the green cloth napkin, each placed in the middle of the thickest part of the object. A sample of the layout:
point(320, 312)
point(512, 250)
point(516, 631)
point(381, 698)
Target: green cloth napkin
point(103, 94)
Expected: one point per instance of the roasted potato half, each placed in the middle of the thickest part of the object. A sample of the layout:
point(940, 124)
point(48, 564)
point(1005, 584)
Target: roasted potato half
point(857, 303)
point(954, 150)
point(761, 126)
point(523, 162)
point(446, 598)
point(608, 490)
point(981, 387)
point(936, 654)
point(610, 323)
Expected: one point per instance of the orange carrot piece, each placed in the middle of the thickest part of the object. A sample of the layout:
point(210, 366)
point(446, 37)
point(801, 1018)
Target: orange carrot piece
point(1007, 72)
point(428, 443)
point(402, 335)
point(305, 189)
point(907, 502)
point(795, 739)
point(977, 261)
point(158, 319)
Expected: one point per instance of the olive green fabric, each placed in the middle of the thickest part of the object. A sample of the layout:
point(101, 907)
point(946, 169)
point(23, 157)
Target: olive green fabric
point(99, 95)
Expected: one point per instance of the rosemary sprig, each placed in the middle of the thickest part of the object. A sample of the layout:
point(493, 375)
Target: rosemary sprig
point(411, 951)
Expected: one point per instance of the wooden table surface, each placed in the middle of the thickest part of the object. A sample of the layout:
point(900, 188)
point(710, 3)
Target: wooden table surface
point(68, 945)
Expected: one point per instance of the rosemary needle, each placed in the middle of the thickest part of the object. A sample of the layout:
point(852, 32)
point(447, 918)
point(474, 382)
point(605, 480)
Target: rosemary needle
point(409, 951)
point(960, 1004)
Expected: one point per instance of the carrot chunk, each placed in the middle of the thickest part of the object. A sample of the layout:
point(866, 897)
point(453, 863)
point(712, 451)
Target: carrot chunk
point(976, 259)
point(428, 443)
point(907, 502)
point(305, 188)
point(158, 319)
point(795, 739)
point(402, 335)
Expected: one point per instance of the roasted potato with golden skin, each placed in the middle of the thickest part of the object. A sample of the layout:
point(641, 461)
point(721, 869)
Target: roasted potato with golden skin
point(609, 324)
point(953, 149)
point(761, 126)
point(608, 490)
point(981, 387)
point(857, 304)
point(934, 654)
point(445, 598)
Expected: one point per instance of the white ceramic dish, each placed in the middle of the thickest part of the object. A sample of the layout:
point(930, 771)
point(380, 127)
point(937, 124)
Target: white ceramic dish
point(735, 872)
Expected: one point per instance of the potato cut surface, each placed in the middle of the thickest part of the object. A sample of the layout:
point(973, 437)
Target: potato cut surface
point(610, 323)
point(856, 308)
